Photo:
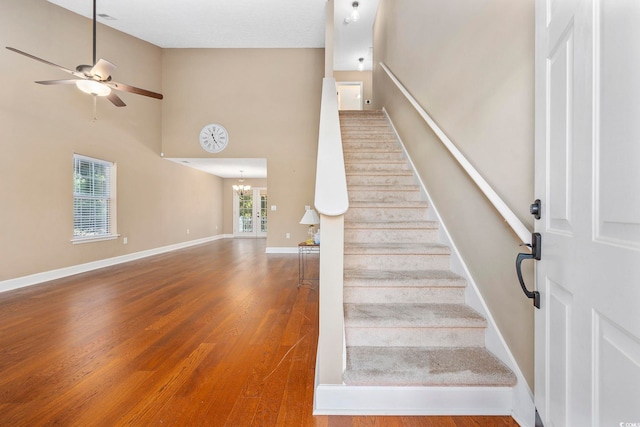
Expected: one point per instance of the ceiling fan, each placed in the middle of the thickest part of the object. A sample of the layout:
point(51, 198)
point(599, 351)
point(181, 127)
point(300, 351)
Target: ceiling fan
point(93, 79)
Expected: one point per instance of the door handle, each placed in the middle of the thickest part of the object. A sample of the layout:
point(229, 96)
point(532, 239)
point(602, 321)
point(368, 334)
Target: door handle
point(536, 252)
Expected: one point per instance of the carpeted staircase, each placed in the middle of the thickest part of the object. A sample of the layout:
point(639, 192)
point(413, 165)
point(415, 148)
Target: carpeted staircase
point(405, 317)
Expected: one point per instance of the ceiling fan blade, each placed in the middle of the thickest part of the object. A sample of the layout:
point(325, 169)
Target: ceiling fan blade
point(115, 100)
point(133, 89)
point(103, 69)
point(28, 55)
point(57, 82)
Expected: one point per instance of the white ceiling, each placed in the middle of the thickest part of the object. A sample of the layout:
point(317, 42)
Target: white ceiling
point(238, 24)
point(227, 168)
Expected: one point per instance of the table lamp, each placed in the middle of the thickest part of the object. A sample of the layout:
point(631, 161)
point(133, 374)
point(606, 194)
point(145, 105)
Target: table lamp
point(310, 218)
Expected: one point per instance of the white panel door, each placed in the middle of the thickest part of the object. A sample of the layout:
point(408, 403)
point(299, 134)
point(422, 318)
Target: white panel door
point(588, 179)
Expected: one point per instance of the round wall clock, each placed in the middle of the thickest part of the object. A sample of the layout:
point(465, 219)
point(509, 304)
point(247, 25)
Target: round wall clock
point(214, 138)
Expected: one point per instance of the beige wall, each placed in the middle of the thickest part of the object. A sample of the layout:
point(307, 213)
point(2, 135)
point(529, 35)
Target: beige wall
point(41, 127)
point(269, 101)
point(470, 65)
point(366, 77)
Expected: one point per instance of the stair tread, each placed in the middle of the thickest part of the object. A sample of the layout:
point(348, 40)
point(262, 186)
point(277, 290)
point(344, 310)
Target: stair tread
point(385, 248)
point(403, 315)
point(397, 172)
point(442, 277)
point(426, 366)
point(386, 205)
point(360, 162)
point(390, 188)
point(395, 225)
point(368, 150)
point(358, 124)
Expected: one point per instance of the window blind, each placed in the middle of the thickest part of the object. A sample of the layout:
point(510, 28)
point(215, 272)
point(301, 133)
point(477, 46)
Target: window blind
point(92, 197)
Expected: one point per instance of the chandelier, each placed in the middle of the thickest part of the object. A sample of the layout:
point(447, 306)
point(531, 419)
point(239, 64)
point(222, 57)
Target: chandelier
point(241, 188)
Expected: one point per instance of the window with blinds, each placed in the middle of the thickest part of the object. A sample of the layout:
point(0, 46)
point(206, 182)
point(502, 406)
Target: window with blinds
point(93, 199)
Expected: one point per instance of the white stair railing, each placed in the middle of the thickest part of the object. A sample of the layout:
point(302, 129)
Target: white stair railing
point(331, 201)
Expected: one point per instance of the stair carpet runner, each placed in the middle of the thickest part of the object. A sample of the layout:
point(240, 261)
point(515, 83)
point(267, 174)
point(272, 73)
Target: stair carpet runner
point(406, 322)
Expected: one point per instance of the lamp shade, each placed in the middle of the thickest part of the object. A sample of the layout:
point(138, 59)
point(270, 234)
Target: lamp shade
point(310, 218)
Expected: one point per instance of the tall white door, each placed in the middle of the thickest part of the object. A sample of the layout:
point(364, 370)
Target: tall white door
point(250, 213)
point(587, 356)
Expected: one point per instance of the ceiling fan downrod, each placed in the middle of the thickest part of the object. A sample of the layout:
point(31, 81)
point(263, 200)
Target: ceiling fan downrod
point(94, 32)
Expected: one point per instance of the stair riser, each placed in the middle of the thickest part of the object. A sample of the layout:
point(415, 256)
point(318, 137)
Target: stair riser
point(368, 133)
point(415, 337)
point(373, 126)
point(384, 196)
point(357, 214)
point(380, 295)
point(355, 146)
point(360, 235)
point(352, 157)
point(375, 167)
point(380, 180)
point(396, 262)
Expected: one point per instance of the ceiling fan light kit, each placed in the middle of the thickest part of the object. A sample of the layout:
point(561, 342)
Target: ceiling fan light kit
point(93, 87)
point(93, 79)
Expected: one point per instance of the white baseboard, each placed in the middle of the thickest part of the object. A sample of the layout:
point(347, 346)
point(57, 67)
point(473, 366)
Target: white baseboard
point(34, 279)
point(340, 399)
point(282, 250)
point(358, 400)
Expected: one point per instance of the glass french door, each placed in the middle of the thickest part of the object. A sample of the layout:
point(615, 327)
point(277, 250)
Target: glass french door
point(250, 213)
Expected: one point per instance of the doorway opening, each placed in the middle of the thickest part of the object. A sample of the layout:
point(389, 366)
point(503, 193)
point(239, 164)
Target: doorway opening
point(250, 213)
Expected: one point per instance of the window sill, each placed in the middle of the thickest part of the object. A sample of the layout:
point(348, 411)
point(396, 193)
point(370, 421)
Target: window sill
point(81, 240)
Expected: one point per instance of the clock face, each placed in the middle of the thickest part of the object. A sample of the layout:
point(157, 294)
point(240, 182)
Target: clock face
point(214, 138)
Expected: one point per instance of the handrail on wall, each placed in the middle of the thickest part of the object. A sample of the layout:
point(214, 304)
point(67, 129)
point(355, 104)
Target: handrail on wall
point(510, 218)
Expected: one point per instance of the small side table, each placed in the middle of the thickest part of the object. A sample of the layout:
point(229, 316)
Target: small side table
point(304, 249)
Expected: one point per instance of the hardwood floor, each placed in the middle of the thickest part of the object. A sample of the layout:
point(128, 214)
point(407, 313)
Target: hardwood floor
point(213, 335)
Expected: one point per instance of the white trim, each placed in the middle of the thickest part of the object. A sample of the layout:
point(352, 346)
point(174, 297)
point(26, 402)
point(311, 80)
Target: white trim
point(331, 399)
point(34, 279)
point(516, 225)
point(79, 241)
point(523, 400)
point(282, 250)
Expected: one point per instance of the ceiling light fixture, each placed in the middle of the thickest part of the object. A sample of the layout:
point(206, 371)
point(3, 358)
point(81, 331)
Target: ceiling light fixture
point(355, 15)
point(361, 64)
point(93, 87)
point(241, 188)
